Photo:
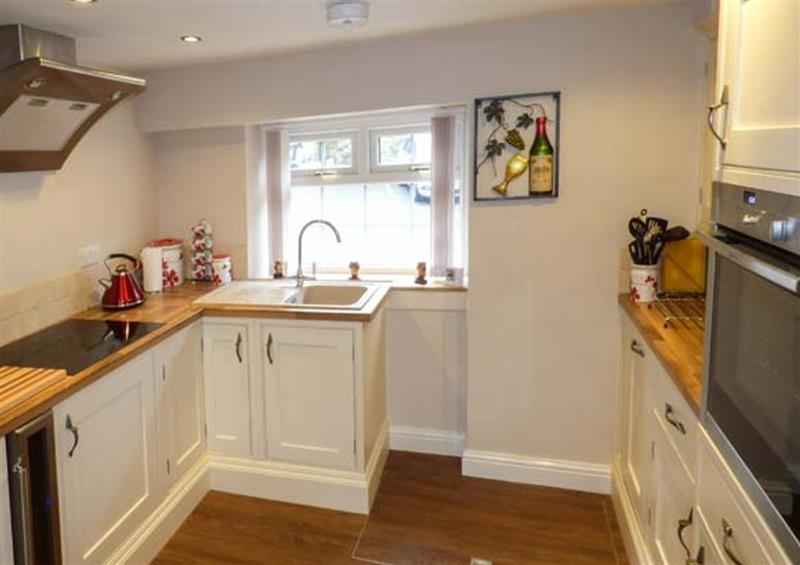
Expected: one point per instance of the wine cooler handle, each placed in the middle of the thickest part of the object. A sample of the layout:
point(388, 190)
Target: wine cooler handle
point(723, 101)
point(668, 411)
point(684, 523)
point(24, 508)
point(239, 347)
point(636, 349)
point(75, 437)
point(728, 532)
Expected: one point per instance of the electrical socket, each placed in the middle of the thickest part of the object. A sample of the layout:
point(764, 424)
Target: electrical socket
point(88, 256)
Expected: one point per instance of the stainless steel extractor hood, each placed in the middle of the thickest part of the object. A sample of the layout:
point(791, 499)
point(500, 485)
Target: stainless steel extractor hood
point(47, 102)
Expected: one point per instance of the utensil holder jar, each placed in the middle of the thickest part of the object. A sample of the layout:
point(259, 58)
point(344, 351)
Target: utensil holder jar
point(645, 282)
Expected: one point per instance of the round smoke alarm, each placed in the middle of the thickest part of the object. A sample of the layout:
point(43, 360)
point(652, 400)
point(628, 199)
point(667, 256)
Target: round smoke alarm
point(347, 13)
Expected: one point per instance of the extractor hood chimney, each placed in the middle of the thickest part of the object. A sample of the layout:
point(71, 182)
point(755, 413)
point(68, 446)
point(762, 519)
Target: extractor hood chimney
point(47, 102)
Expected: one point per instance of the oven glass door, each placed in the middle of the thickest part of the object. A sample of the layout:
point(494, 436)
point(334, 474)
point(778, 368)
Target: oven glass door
point(754, 380)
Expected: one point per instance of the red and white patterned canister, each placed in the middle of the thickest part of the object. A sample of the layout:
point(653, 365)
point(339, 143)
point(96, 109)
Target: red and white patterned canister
point(223, 268)
point(171, 260)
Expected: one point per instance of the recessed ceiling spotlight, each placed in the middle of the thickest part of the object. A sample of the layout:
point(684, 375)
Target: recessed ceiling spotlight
point(347, 13)
point(191, 38)
point(84, 1)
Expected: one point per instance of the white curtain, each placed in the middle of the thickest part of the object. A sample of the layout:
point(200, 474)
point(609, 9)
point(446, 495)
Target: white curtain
point(278, 182)
point(442, 191)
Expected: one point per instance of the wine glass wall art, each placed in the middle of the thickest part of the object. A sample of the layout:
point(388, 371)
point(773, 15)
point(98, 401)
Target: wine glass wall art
point(516, 146)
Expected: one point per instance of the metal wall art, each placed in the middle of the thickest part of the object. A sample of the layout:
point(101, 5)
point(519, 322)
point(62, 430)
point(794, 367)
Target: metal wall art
point(516, 146)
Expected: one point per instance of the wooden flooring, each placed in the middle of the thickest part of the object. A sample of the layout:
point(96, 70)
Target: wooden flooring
point(425, 513)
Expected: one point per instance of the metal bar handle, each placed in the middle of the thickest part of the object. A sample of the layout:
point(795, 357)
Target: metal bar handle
point(636, 349)
point(723, 101)
point(239, 347)
point(75, 436)
point(24, 508)
point(668, 411)
point(269, 349)
point(728, 531)
point(684, 523)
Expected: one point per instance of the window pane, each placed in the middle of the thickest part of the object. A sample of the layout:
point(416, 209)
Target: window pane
point(404, 148)
point(382, 225)
point(321, 154)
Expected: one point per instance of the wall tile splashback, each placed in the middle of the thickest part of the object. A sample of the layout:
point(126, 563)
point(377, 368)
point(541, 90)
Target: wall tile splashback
point(34, 307)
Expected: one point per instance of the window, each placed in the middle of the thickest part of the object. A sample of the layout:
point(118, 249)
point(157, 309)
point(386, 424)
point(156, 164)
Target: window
point(370, 177)
point(321, 154)
point(401, 150)
point(384, 226)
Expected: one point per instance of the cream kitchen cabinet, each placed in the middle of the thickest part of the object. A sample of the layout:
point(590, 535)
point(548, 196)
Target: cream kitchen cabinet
point(674, 520)
point(106, 456)
point(758, 75)
point(309, 395)
point(636, 425)
point(733, 523)
point(677, 499)
point(226, 366)
point(179, 402)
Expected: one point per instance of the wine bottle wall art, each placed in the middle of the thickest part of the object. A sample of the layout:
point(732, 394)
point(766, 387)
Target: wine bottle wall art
point(516, 146)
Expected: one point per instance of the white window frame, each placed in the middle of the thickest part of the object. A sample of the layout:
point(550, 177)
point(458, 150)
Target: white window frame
point(374, 153)
point(365, 128)
point(330, 172)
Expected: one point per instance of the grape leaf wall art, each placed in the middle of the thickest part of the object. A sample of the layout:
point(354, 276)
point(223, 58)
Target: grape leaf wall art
point(516, 146)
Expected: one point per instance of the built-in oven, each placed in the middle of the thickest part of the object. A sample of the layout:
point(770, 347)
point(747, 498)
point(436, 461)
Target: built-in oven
point(751, 393)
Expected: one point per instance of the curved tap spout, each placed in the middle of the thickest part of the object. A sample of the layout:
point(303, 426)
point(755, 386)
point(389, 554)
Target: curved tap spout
point(300, 276)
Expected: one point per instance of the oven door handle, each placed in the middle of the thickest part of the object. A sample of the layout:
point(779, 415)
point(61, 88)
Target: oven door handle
point(761, 264)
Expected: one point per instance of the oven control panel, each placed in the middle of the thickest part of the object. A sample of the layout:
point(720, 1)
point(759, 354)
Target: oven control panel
point(767, 216)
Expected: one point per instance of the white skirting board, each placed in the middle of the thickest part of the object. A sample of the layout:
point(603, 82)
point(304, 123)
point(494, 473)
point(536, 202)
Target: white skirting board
point(425, 440)
point(573, 475)
point(635, 545)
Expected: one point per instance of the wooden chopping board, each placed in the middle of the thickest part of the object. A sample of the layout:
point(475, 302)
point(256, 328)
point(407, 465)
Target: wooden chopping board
point(18, 384)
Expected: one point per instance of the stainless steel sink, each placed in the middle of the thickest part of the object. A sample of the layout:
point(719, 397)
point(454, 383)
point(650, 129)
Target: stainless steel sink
point(349, 296)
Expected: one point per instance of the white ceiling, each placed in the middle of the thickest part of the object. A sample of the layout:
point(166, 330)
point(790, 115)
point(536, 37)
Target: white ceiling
point(143, 34)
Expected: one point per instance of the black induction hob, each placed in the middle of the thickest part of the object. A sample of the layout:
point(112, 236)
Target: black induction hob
point(73, 344)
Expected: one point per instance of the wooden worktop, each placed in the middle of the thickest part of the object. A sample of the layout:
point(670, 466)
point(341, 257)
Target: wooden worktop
point(679, 347)
point(175, 309)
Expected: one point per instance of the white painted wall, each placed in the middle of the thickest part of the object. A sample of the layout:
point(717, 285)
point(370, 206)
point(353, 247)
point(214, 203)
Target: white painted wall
point(201, 174)
point(103, 195)
point(542, 313)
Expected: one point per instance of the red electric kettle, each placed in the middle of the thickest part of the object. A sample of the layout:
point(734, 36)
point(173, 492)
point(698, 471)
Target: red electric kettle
point(122, 289)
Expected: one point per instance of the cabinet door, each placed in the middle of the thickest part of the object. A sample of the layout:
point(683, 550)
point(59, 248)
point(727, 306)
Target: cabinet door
point(675, 523)
point(179, 402)
point(637, 421)
point(758, 65)
point(106, 451)
point(227, 389)
point(309, 395)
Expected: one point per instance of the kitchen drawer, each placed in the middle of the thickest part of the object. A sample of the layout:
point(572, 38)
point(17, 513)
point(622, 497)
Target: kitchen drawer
point(732, 520)
point(678, 419)
point(707, 551)
point(674, 524)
